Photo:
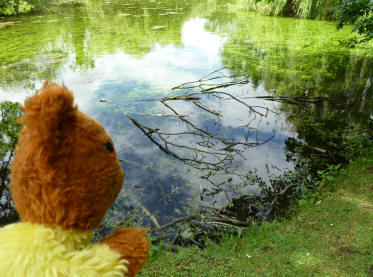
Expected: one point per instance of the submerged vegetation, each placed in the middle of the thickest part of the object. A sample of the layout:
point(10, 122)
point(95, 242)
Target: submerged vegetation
point(357, 12)
point(302, 59)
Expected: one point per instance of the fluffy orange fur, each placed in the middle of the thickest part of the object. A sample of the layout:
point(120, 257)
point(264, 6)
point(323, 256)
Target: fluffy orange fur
point(135, 243)
point(63, 174)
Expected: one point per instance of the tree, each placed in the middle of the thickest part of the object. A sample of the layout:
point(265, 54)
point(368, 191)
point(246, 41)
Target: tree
point(13, 7)
point(360, 14)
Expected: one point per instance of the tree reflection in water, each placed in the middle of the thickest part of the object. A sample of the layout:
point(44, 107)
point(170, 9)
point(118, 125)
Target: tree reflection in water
point(217, 156)
point(9, 131)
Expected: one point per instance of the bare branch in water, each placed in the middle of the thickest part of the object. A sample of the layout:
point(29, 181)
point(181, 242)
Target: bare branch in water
point(200, 148)
point(208, 220)
point(160, 114)
point(184, 97)
point(217, 153)
point(178, 220)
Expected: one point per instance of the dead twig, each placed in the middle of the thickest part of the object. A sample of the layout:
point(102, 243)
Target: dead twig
point(230, 222)
point(178, 220)
point(184, 97)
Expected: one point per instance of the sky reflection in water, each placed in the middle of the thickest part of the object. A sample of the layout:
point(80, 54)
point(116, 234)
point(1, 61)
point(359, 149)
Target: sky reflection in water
point(152, 176)
point(115, 76)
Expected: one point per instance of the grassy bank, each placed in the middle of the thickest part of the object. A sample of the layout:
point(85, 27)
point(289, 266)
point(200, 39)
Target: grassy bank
point(330, 235)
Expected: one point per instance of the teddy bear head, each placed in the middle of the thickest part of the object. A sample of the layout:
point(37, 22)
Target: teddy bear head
point(65, 171)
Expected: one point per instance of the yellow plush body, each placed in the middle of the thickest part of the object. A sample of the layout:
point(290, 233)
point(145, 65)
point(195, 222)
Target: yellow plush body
point(33, 250)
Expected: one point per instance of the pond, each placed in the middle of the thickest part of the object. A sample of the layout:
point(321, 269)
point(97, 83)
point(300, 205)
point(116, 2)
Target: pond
point(201, 99)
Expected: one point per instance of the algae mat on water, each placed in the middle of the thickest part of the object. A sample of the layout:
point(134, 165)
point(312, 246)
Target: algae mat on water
point(294, 57)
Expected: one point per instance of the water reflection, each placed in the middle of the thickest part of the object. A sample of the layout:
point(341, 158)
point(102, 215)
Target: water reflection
point(199, 147)
point(136, 50)
point(9, 135)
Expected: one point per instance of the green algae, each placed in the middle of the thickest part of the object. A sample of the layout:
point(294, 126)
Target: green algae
point(294, 56)
point(304, 55)
point(87, 31)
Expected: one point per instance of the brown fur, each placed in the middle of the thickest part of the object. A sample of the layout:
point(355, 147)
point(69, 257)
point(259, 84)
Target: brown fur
point(63, 174)
point(133, 246)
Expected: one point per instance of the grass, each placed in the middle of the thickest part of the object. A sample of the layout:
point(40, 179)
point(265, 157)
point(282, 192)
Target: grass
point(330, 235)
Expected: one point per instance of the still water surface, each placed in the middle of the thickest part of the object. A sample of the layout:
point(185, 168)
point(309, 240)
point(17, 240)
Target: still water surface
point(125, 51)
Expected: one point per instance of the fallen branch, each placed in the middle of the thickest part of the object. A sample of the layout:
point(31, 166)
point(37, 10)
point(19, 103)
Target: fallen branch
point(184, 97)
point(147, 212)
point(230, 221)
point(214, 221)
point(177, 220)
point(160, 114)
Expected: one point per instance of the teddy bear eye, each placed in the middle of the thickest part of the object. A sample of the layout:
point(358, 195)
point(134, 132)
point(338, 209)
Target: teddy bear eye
point(109, 147)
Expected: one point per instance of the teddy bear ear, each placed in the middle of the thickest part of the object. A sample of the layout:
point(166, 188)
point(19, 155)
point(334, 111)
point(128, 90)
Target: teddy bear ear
point(49, 111)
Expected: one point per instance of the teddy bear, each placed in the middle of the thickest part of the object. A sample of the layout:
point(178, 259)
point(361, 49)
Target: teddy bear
point(64, 177)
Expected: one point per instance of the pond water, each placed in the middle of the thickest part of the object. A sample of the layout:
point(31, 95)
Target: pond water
point(295, 91)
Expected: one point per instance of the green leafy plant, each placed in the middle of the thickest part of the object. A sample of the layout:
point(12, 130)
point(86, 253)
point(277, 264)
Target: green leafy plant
point(326, 176)
point(360, 14)
point(13, 7)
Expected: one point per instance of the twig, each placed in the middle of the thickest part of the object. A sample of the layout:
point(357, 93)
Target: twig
point(230, 221)
point(178, 220)
point(215, 220)
point(184, 97)
point(159, 114)
point(147, 212)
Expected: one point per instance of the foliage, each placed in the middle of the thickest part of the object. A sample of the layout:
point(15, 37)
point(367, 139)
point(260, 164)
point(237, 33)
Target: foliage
point(13, 7)
point(9, 131)
point(275, 199)
point(360, 14)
